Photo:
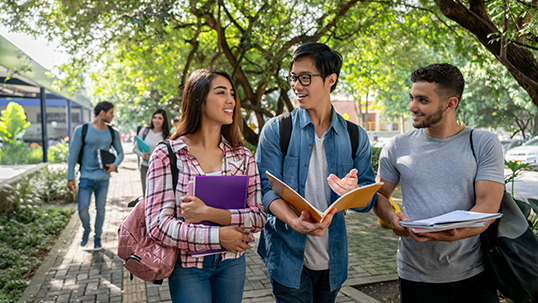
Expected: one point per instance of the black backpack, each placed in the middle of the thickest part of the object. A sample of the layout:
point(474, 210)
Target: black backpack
point(509, 252)
point(286, 127)
point(84, 132)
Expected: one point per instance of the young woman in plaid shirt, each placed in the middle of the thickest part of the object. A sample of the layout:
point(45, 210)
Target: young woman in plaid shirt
point(207, 142)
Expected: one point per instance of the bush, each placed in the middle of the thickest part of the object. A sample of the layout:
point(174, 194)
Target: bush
point(20, 153)
point(26, 236)
point(49, 185)
point(58, 153)
point(375, 158)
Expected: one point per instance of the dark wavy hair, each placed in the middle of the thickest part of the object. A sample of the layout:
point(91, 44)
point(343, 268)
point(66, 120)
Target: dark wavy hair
point(166, 126)
point(325, 59)
point(194, 97)
point(103, 105)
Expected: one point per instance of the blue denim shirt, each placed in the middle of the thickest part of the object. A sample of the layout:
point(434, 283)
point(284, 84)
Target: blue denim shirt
point(280, 246)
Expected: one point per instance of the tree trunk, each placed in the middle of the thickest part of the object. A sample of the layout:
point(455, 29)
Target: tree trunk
point(518, 60)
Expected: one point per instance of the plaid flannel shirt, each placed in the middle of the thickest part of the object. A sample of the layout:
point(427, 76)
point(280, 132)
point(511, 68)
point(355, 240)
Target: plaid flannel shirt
point(163, 214)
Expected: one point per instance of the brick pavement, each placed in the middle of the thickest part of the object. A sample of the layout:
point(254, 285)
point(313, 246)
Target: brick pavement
point(77, 274)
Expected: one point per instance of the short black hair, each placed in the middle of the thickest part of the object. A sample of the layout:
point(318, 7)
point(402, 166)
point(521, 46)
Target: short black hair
point(325, 59)
point(104, 105)
point(449, 79)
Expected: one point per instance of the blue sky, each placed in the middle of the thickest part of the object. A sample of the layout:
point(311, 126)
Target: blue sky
point(48, 54)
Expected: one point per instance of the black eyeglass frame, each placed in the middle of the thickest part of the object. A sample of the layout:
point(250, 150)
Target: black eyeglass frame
point(293, 79)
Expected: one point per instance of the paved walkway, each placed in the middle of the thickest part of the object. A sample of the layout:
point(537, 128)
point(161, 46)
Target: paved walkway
point(71, 273)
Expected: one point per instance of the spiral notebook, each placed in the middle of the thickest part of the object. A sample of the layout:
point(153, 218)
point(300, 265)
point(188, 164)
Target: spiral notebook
point(225, 192)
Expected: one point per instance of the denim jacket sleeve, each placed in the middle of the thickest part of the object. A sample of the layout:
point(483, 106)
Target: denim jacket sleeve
point(269, 158)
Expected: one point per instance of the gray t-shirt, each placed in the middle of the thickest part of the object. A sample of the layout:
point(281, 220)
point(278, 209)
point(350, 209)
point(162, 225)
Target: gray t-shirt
point(437, 176)
point(318, 193)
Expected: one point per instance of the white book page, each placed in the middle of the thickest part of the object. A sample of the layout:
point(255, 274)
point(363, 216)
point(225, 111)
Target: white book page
point(453, 217)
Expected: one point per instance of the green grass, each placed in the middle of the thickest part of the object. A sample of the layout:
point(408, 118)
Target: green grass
point(26, 236)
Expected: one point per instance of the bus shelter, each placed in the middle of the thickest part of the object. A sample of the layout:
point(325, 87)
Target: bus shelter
point(53, 114)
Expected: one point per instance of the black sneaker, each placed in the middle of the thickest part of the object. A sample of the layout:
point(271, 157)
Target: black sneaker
point(84, 239)
point(97, 244)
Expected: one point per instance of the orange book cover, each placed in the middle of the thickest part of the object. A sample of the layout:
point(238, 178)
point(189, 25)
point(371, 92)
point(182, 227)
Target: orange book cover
point(358, 197)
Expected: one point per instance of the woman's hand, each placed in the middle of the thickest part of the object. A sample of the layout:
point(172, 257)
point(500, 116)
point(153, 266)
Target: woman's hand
point(193, 209)
point(146, 156)
point(233, 239)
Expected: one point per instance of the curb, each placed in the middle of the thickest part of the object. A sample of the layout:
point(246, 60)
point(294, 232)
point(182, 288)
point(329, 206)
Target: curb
point(41, 274)
point(357, 296)
point(371, 280)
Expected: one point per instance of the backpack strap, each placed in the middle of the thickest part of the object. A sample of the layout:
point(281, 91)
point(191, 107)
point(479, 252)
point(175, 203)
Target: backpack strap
point(286, 127)
point(353, 131)
point(285, 132)
point(112, 134)
point(173, 165)
point(472, 146)
point(173, 168)
point(84, 132)
point(145, 133)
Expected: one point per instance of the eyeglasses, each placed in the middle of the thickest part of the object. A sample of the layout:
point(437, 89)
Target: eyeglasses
point(305, 79)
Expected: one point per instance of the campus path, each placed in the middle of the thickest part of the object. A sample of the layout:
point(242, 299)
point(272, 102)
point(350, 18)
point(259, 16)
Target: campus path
point(71, 273)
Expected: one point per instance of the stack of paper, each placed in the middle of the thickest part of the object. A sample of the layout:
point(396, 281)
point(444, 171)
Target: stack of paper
point(455, 219)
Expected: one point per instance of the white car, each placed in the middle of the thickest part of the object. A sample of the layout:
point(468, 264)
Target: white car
point(527, 153)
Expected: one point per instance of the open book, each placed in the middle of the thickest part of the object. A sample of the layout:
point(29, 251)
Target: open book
point(451, 220)
point(358, 197)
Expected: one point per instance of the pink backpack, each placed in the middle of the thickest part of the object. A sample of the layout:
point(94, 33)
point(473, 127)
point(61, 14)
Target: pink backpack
point(144, 256)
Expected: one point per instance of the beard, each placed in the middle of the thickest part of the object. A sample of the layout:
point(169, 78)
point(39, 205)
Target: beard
point(430, 120)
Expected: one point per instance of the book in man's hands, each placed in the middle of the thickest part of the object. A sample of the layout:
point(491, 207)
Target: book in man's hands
point(358, 197)
point(224, 192)
point(451, 220)
point(105, 157)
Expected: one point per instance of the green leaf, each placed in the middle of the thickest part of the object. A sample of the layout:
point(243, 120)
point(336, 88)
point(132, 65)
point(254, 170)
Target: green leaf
point(12, 122)
point(534, 204)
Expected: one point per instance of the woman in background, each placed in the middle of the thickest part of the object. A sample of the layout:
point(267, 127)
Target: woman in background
point(157, 131)
point(207, 142)
point(175, 123)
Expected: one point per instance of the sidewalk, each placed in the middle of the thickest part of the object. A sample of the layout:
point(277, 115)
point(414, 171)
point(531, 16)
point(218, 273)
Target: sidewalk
point(71, 273)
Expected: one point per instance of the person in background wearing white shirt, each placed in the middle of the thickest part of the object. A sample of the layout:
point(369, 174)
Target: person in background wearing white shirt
point(175, 124)
point(157, 130)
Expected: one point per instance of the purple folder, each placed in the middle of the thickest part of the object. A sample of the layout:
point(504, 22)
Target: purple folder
point(225, 192)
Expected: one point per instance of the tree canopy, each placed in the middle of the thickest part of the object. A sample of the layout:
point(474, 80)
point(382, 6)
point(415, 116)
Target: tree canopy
point(139, 53)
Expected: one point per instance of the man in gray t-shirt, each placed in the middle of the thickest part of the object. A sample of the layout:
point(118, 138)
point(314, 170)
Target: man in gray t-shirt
point(438, 173)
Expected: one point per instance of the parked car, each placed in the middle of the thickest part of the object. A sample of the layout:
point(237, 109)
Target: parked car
point(527, 153)
point(511, 143)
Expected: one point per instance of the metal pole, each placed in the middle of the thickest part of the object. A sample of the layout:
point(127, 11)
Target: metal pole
point(69, 119)
point(43, 97)
point(81, 115)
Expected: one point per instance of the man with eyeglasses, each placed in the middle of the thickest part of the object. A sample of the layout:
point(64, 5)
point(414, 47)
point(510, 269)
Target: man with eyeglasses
point(307, 260)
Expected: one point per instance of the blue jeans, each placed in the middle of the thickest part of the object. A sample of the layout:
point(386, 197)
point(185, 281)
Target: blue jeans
point(219, 281)
point(314, 288)
point(143, 176)
point(85, 189)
